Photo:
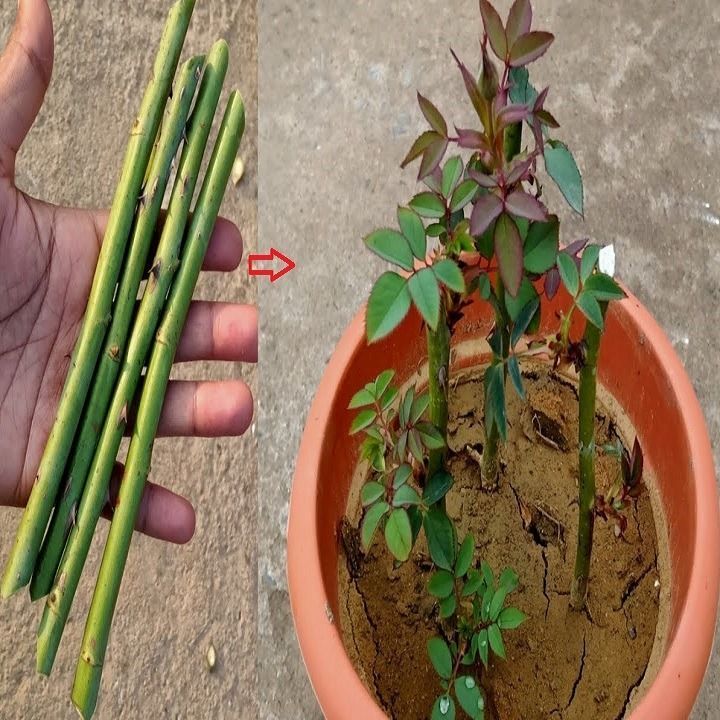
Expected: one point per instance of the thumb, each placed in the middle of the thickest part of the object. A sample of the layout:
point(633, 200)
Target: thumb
point(25, 70)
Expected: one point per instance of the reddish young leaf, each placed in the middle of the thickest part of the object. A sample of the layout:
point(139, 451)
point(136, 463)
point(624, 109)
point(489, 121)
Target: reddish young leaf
point(575, 247)
point(511, 114)
point(519, 20)
point(494, 29)
point(432, 115)
point(552, 283)
point(481, 105)
point(486, 181)
point(471, 139)
point(529, 47)
point(432, 157)
point(523, 205)
point(486, 209)
point(509, 252)
point(520, 171)
point(489, 79)
point(540, 99)
point(419, 147)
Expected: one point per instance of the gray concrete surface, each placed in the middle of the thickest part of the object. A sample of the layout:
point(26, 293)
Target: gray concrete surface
point(174, 601)
point(634, 85)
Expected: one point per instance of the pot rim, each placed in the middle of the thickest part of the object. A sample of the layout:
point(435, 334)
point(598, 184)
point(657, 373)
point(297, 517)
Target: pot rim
point(338, 687)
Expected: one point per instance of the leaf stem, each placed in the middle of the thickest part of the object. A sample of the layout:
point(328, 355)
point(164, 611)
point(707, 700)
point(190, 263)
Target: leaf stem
point(438, 343)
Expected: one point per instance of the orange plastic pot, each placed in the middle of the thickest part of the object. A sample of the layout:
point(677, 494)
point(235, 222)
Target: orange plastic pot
point(640, 368)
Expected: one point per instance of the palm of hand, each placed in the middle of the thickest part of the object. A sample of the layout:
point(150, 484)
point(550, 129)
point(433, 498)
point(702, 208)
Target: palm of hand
point(47, 262)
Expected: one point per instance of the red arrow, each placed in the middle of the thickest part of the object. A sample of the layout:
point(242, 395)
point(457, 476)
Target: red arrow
point(286, 267)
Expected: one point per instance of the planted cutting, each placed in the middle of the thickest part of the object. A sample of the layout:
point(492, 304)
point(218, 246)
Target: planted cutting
point(518, 441)
point(119, 341)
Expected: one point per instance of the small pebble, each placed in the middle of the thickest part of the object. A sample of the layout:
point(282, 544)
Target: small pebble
point(211, 657)
point(238, 171)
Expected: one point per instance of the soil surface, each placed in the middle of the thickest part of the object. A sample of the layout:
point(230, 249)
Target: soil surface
point(560, 664)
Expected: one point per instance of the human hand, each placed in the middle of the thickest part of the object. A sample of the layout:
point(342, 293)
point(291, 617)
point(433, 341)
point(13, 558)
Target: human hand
point(47, 261)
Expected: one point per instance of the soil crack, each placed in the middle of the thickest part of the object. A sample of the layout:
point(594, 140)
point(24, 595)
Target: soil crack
point(629, 695)
point(633, 585)
point(579, 675)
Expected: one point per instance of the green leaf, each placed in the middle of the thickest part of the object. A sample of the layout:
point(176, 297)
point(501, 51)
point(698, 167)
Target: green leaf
point(415, 445)
point(440, 534)
point(452, 172)
point(362, 420)
point(371, 492)
point(523, 320)
point(441, 584)
point(465, 556)
point(406, 495)
point(562, 168)
point(588, 261)
point(428, 205)
point(398, 534)
point(443, 709)
point(483, 646)
point(430, 436)
point(568, 273)
point(432, 115)
point(484, 286)
point(370, 523)
point(425, 292)
point(496, 642)
point(448, 607)
point(388, 305)
point(440, 657)
point(383, 381)
point(402, 475)
point(474, 583)
point(413, 230)
point(509, 251)
point(497, 602)
point(406, 406)
point(516, 376)
point(604, 288)
point(511, 618)
point(437, 487)
point(509, 580)
point(361, 398)
point(390, 245)
point(526, 294)
point(388, 398)
point(419, 406)
point(495, 399)
point(541, 245)
point(469, 696)
point(463, 194)
point(487, 574)
point(521, 90)
point(590, 309)
point(449, 274)
point(435, 230)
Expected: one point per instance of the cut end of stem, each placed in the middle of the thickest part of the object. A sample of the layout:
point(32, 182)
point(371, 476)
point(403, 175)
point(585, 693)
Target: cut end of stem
point(86, 688)
point(12, 582)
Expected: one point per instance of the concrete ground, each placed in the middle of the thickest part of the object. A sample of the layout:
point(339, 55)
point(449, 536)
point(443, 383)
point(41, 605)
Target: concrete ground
point(634, 87)
point(175, 601)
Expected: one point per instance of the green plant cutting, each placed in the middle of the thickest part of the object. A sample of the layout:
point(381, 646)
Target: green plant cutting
point(481, 231)
point(118, 340)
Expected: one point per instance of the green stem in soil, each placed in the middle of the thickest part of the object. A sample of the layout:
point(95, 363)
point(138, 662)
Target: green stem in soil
point(165, 265)
point(586, 525)
point(490, 471)
point(114, 351)
point(97, 629)
point(438, 343)
point(21, 563)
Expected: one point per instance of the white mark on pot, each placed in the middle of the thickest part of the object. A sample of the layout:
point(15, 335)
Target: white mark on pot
point(329, 613)
point(708, 215)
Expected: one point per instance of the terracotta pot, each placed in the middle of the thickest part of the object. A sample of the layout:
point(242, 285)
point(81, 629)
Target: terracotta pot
point(640, 368)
